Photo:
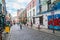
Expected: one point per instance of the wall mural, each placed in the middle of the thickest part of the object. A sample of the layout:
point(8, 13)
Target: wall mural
point(54, 21)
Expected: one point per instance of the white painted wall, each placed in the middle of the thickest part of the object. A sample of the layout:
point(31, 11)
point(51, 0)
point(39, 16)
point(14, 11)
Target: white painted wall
point(44, 8)
point(31, 15)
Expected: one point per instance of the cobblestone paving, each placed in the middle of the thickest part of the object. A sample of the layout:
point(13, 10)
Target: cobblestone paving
point(29, 34)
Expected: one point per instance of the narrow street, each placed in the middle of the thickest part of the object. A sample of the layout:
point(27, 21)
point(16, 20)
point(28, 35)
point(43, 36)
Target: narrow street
point(41, 19)
point(29, 34)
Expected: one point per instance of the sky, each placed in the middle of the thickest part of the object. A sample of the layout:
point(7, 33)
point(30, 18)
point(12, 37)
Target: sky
point(13, 5)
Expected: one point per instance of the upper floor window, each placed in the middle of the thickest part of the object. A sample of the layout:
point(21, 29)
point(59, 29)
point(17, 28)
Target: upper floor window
point(33, 3)
point(30, 13)
point(33, 12)
point(55, 6)
point(40, 8)
point(49, 4)
point(30, 6)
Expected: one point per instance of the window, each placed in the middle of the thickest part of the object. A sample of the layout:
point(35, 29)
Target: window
point(33, 12)
point(49, 4)
point(30, 6)
point(40, 8)
point(33, 20)
point(30, 13)
point(33, 3)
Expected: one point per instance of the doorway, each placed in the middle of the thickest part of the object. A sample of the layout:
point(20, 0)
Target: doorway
point(41, 20)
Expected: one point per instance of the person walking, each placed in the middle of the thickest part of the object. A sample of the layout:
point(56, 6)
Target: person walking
point(20, 26)
point(31, 24)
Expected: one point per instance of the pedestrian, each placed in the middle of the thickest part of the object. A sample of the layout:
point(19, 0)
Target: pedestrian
point(27, 24)
point(20, 26)
point(31, 24)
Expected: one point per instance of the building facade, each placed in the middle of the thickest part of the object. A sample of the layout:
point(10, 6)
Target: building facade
point(19, 14)
point(0, 6)
point(2, 14)
point(22, 15)
point(4, 11)
point(31, 11)
point(47, 14)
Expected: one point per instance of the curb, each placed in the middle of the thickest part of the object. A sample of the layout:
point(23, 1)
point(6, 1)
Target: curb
point(51, 33)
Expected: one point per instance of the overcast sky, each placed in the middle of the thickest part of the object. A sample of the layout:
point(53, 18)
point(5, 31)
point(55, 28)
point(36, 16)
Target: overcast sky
point(13, 5)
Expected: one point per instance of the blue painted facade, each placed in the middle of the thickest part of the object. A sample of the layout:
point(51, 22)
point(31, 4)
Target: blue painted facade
point(56, 22)
point(37, 7)
point(55, 7)
point(50, 23)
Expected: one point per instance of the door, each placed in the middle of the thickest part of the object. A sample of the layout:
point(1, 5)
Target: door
point(41, 20)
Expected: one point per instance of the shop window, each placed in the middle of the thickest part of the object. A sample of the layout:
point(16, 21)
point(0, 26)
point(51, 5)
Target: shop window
point(33, 12)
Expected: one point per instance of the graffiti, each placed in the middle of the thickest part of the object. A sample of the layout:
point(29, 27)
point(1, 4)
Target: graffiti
point(54, 21)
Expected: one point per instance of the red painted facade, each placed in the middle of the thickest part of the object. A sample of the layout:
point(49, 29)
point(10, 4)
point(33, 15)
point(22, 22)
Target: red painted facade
point(31, 5)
